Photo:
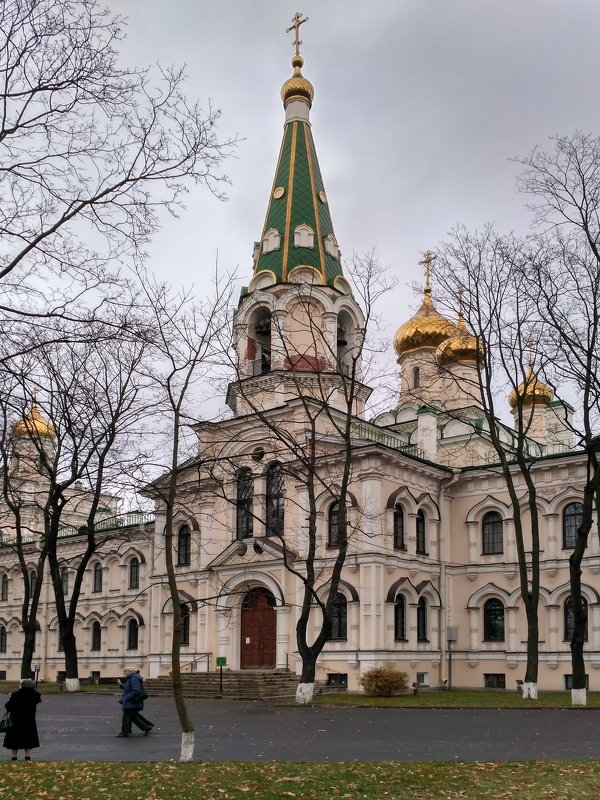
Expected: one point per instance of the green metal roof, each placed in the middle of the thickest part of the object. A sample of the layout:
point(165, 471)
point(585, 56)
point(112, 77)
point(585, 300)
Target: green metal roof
point(302, 202)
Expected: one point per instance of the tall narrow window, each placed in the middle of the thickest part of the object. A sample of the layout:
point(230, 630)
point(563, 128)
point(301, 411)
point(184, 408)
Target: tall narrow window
point(3, 643)
point(400, 619)
point(4, 587)
point(416, 377)
point(132, 634)
point(570, 620)
point(339, 613)
point(422, 634)
point(491, 534)
point(184, 548)
point(261, 343)
point(421, 537)
point(572, 519)
point(134, 573)
point(244, 503)
point(64, 581)
point(493, 621)
point(275, 489)
point(333, 527)
point(96, 636)
point(185, 623)
point(97, 578)
point(32, 581)
point(399, 543)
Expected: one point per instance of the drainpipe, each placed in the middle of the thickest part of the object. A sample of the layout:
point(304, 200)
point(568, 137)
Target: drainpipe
point(444, 558)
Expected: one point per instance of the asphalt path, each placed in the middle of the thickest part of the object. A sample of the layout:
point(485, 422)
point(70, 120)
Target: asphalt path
point(76, 727)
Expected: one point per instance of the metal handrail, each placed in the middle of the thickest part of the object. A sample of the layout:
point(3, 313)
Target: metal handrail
point(200, 657)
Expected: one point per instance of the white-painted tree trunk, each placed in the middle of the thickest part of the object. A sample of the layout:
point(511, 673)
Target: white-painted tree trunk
point(72, 684)
point(304, 693)
point(187, 746)
point(578, 697)
point(530, 690)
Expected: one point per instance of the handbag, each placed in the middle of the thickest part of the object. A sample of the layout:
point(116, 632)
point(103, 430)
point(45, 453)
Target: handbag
point(142, 695)
point(6, 722)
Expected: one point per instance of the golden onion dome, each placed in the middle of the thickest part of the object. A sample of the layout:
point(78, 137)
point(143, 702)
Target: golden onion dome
point(33, 424)
point(460, 347)
point(297, 85)
point(426, 329)
point(532, 390)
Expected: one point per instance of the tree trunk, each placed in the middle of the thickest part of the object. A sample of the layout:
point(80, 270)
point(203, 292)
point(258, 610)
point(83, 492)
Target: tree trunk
point(69, 643)
point(306, 688)
point(28, 649)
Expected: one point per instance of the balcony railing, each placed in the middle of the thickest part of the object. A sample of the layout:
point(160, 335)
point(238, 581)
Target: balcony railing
point(130, 519)
point(364, 430)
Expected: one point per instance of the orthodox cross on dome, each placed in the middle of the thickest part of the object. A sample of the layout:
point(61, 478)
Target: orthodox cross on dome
point(295, 26)
point(428, 257)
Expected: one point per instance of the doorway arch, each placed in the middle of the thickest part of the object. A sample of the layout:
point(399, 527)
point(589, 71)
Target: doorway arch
point(258, 629)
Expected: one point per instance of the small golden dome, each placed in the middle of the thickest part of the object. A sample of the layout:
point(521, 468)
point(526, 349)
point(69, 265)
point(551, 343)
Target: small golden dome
point(426, 329)
point(533, 391)
point(297, 85)
point(34, 425)
point(460, 347)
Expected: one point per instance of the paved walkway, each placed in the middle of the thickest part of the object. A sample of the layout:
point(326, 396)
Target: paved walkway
point(83, 727)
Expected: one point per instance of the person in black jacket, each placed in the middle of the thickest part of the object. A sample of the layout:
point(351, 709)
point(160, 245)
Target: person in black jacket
point(23, 734)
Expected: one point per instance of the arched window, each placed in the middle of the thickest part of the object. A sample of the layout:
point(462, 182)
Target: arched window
point(333, 528)
point(244, 503)
point(493, 620)
point(132, 634)
point(64, 581)
point(184, 548)
point(3, 642)
point(399, 543)
point(570, 621)
point(32, 581)
point(416, 377)
point(491, 534)
point(96, 636)
point(422, 620)
point(259, 347)
point(4, 587)
point(185, 623)
point(275, 489)
point(421, 538)
point(400, 619)
point(134, 573)
point(339, 617)
point(304, 236)
point(97, 578)
point(572, 519)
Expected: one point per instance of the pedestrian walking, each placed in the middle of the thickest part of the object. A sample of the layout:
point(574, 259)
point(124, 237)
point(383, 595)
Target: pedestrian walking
point(132, 687)
point(22, 734)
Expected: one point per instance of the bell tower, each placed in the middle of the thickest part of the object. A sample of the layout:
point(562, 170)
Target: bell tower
point(297, 329)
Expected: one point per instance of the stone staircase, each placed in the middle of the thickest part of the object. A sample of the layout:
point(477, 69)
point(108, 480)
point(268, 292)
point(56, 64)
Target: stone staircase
point(243, 685)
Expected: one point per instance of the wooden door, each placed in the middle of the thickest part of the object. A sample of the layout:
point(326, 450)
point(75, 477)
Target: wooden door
point(258, 630)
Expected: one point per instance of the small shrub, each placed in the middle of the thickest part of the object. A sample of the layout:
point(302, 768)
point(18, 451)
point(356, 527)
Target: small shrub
point(384, 682)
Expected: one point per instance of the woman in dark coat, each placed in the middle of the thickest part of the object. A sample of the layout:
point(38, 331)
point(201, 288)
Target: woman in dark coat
point(22, 734)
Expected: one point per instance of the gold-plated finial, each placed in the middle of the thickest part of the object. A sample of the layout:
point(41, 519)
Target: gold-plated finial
point(428, 257)
point(295, 26)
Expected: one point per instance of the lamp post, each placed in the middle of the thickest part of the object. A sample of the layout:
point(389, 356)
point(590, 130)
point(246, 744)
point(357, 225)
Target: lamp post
point(451, 636)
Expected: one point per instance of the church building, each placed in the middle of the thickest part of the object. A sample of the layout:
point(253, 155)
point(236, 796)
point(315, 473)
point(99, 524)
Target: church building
point(430, 584)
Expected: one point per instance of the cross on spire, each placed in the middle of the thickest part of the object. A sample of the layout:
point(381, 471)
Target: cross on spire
point(428, 257)
point(295, 26)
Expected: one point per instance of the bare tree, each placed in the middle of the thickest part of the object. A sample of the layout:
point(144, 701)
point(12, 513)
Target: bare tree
point(90, 152)
point(504, 320)
point(83, 442)
point(562, 274)
point(187, 353)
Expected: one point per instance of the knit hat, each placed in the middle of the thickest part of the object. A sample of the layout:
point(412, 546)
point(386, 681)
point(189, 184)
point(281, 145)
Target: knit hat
point(27, 683)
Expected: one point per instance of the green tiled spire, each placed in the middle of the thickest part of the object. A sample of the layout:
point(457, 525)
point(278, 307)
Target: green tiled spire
point(298, 231)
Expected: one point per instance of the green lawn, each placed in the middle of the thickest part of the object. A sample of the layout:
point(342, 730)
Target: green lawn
point(459, 699)
point(559, 780)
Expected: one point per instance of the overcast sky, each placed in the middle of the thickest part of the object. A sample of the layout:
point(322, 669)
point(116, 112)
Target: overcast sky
point(419, 104)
